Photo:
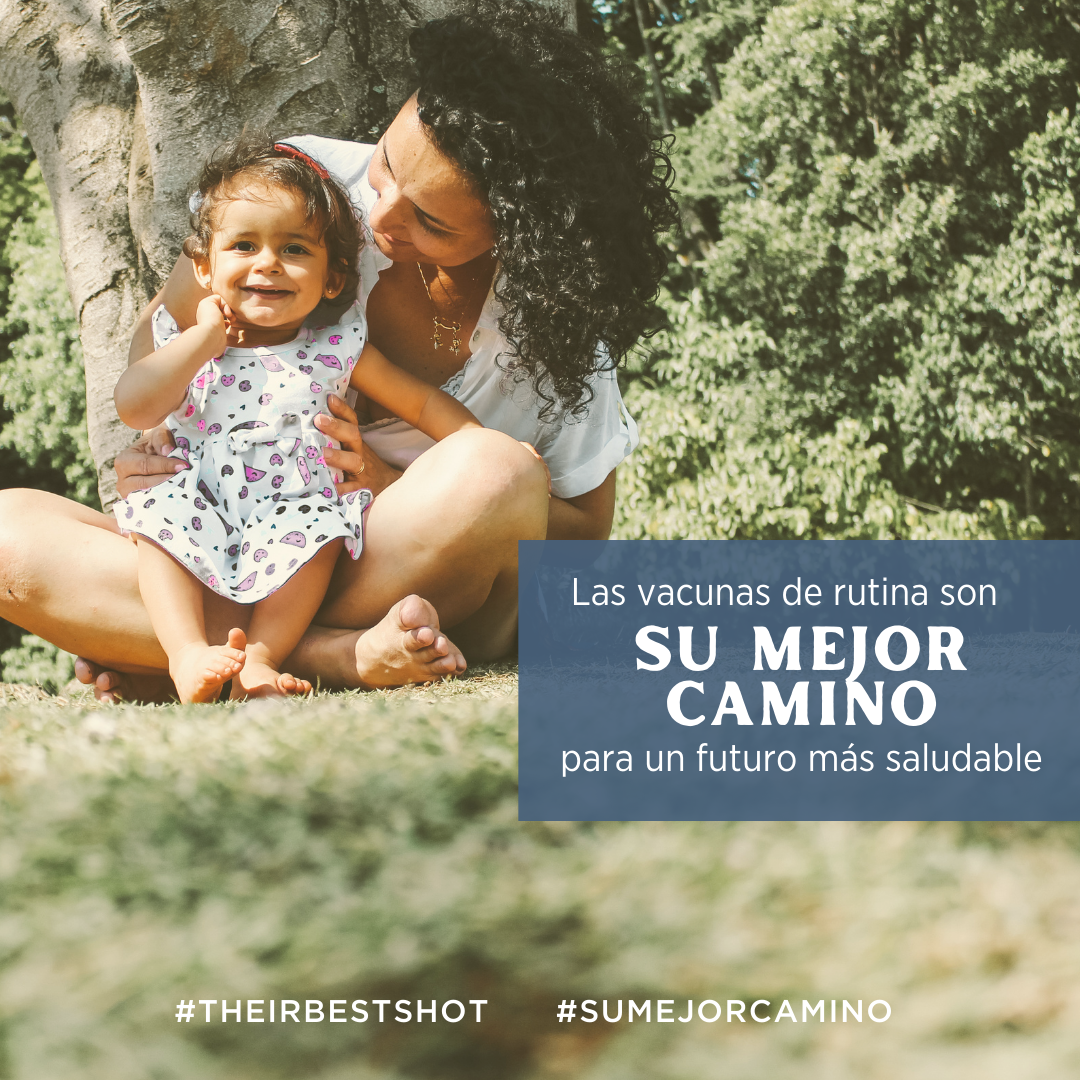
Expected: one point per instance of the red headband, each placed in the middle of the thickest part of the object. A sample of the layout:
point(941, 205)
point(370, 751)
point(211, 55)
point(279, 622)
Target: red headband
point(299, 155)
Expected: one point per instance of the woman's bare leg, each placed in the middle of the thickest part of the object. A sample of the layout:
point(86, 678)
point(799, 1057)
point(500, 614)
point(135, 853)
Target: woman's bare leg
point(448, 529)
point(69, 576)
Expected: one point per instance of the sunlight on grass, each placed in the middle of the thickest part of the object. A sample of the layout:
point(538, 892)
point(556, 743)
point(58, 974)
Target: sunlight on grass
point(366, 846)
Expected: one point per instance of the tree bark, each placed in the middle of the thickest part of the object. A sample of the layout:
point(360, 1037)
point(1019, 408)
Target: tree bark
point(123, 99)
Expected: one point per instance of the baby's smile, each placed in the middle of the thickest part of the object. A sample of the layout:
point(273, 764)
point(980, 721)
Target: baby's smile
point(265, 291)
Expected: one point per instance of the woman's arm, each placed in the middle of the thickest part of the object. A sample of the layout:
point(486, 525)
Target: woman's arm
point(584, 517)
point(151, 388)
point(181, 294)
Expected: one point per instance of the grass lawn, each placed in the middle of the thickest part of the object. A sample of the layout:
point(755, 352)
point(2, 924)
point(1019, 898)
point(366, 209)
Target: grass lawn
point(366, 846)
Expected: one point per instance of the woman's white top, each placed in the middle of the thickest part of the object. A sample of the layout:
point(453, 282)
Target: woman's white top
point(580, 451)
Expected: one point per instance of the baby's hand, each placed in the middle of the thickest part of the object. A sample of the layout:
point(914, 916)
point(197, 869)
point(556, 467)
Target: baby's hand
point(215, 315)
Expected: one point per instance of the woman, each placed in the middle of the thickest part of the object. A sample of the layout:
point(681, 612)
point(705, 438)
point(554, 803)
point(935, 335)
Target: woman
point(515, 203)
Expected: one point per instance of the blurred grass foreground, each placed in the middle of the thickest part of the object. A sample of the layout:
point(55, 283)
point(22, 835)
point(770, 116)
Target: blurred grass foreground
point(367, 847)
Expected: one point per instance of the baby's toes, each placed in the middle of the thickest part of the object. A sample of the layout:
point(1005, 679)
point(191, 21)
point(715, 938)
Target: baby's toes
point(289, 684)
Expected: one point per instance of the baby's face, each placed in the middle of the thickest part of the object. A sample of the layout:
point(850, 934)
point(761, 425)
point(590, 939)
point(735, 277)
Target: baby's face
point(267, 262)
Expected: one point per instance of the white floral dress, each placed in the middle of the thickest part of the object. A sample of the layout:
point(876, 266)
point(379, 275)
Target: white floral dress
point(258, 501)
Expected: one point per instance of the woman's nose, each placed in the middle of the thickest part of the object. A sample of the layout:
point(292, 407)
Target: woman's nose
point(387, 215)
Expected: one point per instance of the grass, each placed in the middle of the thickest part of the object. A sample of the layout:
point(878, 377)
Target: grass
point(364, 846)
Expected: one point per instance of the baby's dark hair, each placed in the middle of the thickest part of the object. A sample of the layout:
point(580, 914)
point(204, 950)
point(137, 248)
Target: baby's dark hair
point(255, 157)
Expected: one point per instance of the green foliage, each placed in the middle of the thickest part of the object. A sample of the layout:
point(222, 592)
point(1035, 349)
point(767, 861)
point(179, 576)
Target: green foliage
point(873, 329)
point(41, 379)
point(43, 440)
point(19, 187)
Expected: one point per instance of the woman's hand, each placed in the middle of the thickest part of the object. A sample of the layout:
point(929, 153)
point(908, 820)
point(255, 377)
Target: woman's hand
point(145, 464)
point(361, 466)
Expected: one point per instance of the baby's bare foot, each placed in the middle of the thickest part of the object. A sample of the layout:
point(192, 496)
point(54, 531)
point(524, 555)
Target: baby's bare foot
point(259, 679)
point(200, 671)
point(406, 646)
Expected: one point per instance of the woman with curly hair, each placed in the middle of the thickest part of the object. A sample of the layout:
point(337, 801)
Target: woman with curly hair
point(515, 205)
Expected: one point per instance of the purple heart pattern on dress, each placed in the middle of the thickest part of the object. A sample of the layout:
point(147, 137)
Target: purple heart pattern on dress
point(244, 496)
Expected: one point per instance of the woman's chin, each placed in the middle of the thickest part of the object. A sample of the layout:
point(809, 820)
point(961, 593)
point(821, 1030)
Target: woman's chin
point(398, 250)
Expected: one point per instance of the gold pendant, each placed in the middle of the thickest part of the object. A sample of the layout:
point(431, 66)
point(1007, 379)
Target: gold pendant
point(455, 331)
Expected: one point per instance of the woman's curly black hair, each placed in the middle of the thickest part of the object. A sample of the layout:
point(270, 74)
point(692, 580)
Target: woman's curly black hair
point(579, 187)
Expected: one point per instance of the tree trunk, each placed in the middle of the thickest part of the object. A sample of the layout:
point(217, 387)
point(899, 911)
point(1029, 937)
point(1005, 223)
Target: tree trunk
point(123, 99)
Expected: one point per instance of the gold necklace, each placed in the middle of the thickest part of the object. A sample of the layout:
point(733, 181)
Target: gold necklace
point(454, 325)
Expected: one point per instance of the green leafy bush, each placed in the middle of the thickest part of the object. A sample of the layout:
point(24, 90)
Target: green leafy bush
point(873, 330)
point(42, 384)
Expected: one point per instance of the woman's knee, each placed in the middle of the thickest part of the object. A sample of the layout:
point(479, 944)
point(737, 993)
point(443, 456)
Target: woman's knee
point(18, 511)
point(500, 473)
